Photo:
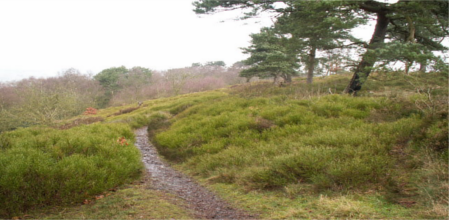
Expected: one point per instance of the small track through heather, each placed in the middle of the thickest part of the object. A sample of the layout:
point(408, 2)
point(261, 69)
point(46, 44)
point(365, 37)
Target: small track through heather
point(203, 203)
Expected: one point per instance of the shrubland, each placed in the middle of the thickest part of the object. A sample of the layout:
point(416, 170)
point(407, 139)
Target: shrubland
point(34, 101)
point(173, 82)
point(37, 101)
point(43, 166)
point(74, 160)
point(299, 151)
point(391, 142)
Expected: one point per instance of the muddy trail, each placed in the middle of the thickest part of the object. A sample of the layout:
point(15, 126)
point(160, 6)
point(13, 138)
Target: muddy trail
point(202, 202)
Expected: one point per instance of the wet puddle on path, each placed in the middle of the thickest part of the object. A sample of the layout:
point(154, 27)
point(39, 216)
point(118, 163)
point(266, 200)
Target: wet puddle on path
point(204, 203)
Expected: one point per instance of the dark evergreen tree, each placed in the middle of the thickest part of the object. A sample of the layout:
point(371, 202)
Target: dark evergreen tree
point(270, 56)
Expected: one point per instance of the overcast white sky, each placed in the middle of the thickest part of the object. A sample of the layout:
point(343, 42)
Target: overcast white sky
point(43, 37)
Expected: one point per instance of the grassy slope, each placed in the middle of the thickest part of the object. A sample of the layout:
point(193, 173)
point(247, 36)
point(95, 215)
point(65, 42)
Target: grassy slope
point(298, 151)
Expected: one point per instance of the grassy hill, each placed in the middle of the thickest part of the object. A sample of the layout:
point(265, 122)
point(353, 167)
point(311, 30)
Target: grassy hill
point(299, 151)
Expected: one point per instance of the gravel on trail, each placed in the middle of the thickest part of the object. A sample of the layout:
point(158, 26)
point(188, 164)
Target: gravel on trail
point(203, 203)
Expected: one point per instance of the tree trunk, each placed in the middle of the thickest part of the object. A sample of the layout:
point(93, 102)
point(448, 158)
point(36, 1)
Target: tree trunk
point(408, 65)
point(311, 64)
point(287, 78)
point(423, 66)
point(369, 58)
point(275, 79)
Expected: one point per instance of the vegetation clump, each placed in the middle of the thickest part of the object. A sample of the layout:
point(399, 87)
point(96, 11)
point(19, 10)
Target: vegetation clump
point(43, 166)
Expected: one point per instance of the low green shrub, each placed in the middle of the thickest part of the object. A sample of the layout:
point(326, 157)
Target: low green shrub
point(179, 108)
point(268, 139)
point(43, 166)
point(330, 141)
point(300, 165)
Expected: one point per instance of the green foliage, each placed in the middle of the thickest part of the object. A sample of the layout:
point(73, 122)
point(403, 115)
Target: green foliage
point(414, 29)
point(115, 78)
point(287, 147)
point(136, 200)
point(43, 166)
point(270, 56)
point(317, 27)
point(234, 125)
point(196, 65)
point(262, 138)
point(215, 63)
point(108, 78)
point(165, 106)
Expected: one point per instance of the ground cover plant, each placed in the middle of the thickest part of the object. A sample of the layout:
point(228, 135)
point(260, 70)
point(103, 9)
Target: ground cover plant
point(166, 106)
point(71, 163)
point(392, 140)
point(299, 151)
point(43, 166)
point(131, 201)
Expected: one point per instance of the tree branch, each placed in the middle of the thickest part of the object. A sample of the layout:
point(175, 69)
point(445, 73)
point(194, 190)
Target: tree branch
point(420, 39)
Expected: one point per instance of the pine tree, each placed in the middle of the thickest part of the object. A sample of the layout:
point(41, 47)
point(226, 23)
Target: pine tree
point(270, 56)
point(419, 22)
point(422, 22)
point(317, 26)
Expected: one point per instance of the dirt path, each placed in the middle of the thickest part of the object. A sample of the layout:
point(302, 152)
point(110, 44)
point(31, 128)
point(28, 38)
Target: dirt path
point(203, 202)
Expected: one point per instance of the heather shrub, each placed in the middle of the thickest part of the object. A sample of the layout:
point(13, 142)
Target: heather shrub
point(328, 141)
point(157, 122)
point(43, 166)
point(179, 108)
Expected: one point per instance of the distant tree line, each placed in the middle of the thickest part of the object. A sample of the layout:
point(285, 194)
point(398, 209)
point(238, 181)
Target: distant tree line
point(36, 101)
